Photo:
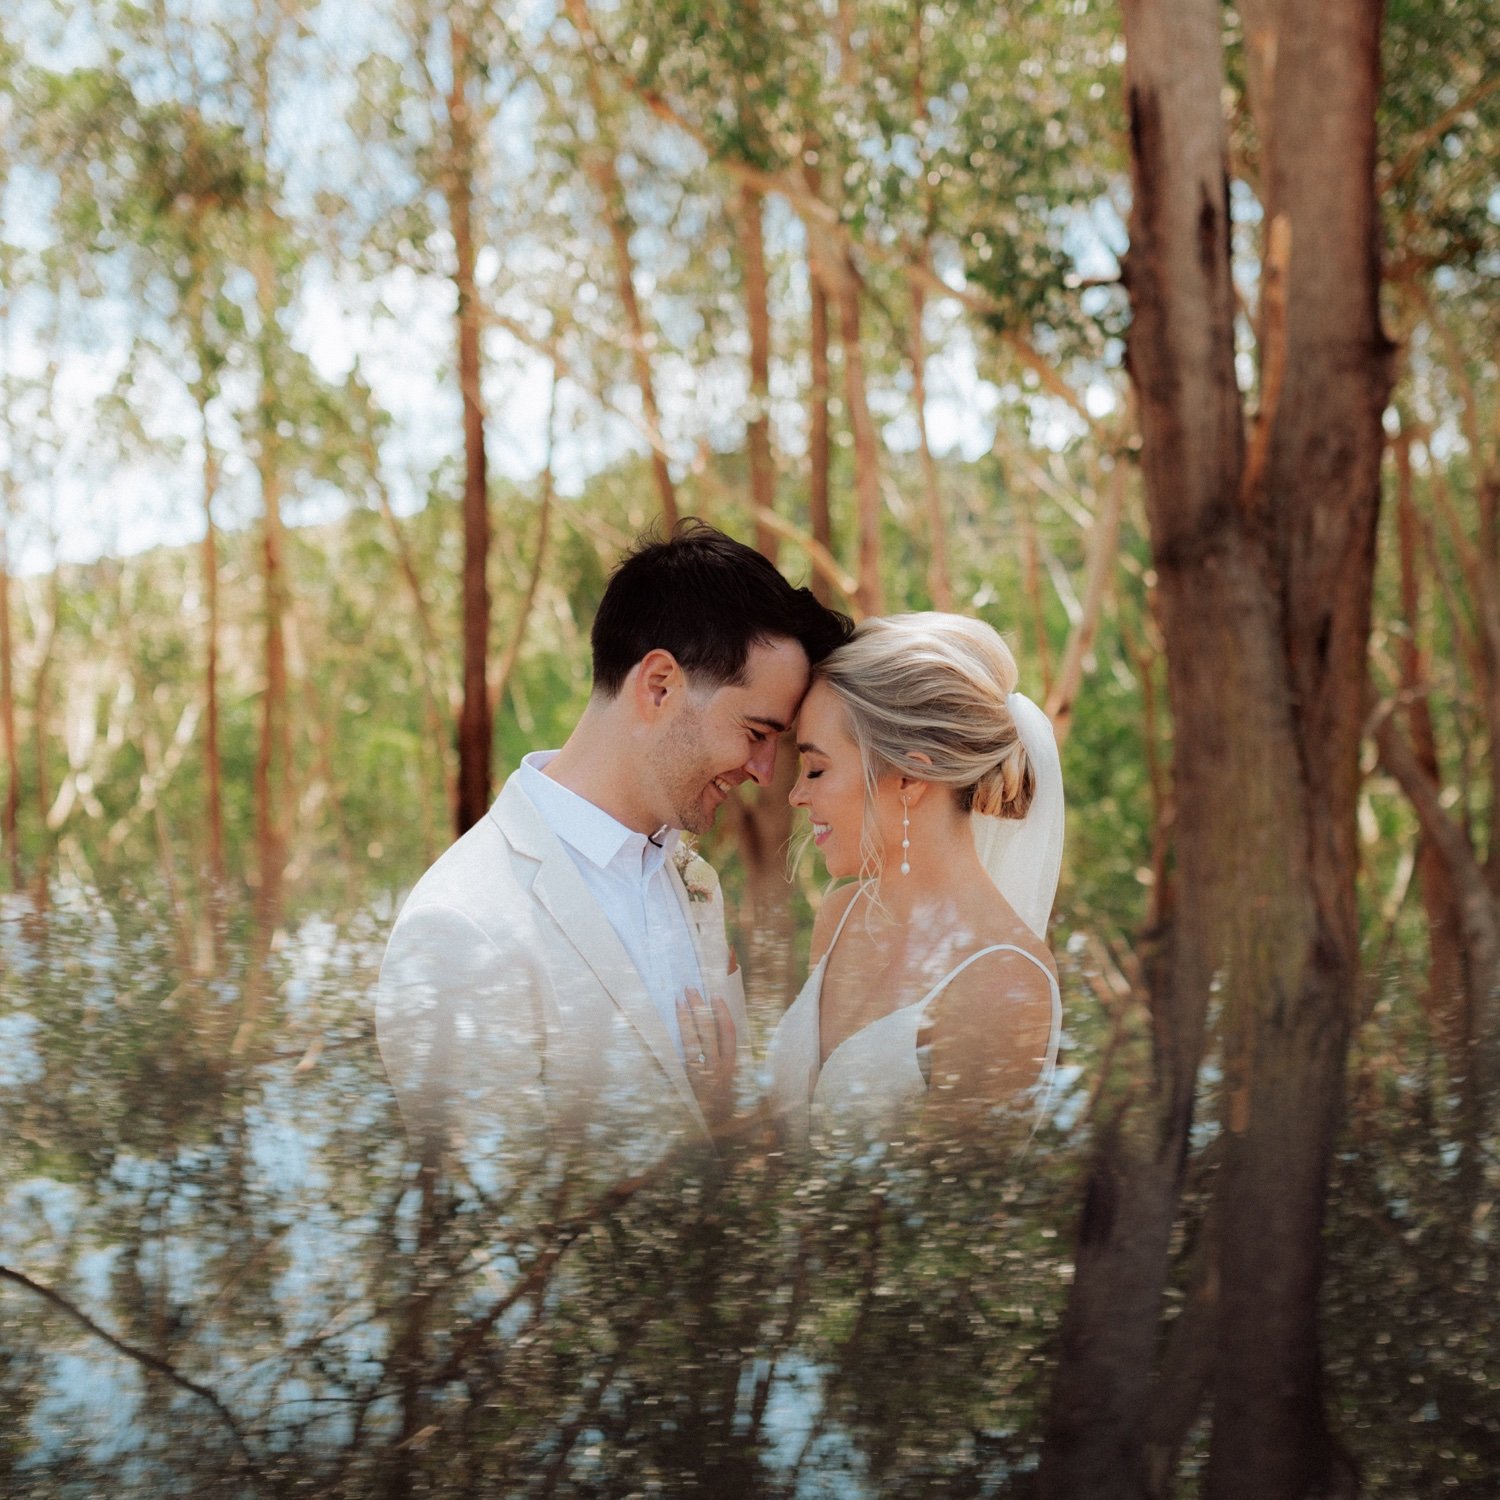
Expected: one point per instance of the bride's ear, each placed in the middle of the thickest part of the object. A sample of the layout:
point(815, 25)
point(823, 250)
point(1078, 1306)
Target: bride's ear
point(913, 788)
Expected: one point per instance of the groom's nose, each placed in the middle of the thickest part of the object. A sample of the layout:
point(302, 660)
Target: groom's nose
point(761, 766)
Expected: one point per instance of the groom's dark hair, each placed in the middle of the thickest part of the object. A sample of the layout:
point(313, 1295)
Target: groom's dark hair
point(707, 599)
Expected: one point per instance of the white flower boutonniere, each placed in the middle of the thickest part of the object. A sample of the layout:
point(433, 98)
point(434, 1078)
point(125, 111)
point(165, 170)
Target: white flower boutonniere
point(700, 877)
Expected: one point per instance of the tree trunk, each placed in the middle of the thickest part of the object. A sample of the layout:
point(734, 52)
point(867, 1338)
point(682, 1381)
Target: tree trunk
point(606, 174)
point(475, 723)
point(617, 220)
point(273, 753)
point(1181, 342)
point(212, 768)
point(1314, 88)
point(41, 714)
point(1443, 999)
point(1476, 1055)
point(272, 776)
point(939, 584)
point(1264, 558)
point(1031, 559)
point(10, 827)
point(866, 443)
point(1103, 559)
point(517, 633)
point(271, 763)
point(758, 316)
point(820, 521)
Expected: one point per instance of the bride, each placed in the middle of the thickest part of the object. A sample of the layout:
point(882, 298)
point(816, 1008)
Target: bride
point(935, 785)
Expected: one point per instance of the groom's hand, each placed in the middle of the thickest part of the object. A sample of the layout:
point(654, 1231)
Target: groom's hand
point(709, 1052)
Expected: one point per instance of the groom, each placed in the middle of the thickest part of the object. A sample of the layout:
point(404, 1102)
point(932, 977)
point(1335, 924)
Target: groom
point(553, 980)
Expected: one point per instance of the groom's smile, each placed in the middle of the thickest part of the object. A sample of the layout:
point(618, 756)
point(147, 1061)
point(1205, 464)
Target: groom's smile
point(729, 736)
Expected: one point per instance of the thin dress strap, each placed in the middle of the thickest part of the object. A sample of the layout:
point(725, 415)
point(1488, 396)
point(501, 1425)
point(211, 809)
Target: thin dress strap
point(853, 902)
point(953, 974)
point(1042, 1090)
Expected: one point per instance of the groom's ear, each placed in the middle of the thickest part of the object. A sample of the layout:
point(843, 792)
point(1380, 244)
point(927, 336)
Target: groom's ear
point(658, 679)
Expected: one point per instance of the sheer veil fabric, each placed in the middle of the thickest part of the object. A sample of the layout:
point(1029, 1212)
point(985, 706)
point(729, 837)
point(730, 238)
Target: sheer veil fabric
point(1024, 856)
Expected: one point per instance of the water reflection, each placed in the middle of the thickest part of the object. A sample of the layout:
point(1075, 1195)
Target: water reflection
point(303, 1308)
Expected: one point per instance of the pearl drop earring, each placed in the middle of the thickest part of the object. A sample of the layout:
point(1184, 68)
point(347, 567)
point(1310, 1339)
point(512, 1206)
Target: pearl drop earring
point(905, 837)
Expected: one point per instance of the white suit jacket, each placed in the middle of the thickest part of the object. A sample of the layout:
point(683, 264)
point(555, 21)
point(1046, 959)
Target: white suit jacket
point(510, 1016)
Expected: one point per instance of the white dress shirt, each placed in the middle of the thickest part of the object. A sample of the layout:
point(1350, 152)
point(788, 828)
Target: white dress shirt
point(627, 874)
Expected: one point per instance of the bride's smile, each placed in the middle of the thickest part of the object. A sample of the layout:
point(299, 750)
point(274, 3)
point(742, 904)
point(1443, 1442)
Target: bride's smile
point(831, 785)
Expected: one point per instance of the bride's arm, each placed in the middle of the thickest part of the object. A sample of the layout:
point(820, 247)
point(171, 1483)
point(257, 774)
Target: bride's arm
point(991, 1031)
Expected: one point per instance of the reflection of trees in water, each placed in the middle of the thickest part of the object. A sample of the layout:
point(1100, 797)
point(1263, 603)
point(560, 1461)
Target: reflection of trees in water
point(249, 1228)
point(269, 1306)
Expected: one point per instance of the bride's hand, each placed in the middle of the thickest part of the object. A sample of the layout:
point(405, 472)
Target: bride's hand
point(709, 1053)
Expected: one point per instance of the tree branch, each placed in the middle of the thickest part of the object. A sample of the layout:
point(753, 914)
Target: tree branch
point(143, 1358)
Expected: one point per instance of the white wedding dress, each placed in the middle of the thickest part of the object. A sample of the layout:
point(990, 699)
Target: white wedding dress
point(874, 1083)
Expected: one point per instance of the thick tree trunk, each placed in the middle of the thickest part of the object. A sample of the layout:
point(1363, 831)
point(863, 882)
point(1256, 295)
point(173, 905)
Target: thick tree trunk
point(1265, 558)
point(1315, 87)
point(475, 726)
point(1182, 360)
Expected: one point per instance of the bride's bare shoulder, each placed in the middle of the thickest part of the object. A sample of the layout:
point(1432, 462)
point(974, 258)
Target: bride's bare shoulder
point(830, 914)
point(997, 919)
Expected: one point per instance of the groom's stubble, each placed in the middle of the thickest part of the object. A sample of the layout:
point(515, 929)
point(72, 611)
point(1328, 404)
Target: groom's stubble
point(680, 767)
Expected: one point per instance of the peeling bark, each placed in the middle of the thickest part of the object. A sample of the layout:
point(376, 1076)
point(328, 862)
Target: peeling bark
point(1265, 561)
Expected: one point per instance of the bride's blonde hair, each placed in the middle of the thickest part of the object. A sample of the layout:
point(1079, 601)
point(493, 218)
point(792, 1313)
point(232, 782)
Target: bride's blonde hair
point(933, 685)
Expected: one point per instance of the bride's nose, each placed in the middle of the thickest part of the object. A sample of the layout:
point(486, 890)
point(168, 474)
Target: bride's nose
point(798, 794)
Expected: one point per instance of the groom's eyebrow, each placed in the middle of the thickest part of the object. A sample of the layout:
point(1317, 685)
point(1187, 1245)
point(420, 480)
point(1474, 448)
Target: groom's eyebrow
point(774, 725)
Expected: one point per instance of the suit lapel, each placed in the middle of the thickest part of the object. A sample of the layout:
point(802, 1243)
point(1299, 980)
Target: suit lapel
point(563, 894)
point(705, 921)
point(697, 914)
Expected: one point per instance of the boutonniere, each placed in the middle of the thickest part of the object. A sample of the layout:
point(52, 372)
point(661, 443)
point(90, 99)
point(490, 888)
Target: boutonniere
point(698, 876)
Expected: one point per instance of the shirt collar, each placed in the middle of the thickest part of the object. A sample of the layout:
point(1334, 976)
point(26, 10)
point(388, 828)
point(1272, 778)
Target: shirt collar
point(600, 838)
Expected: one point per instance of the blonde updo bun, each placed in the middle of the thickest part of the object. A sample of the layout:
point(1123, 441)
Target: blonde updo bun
point(926, 695)
point(1006, 790)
